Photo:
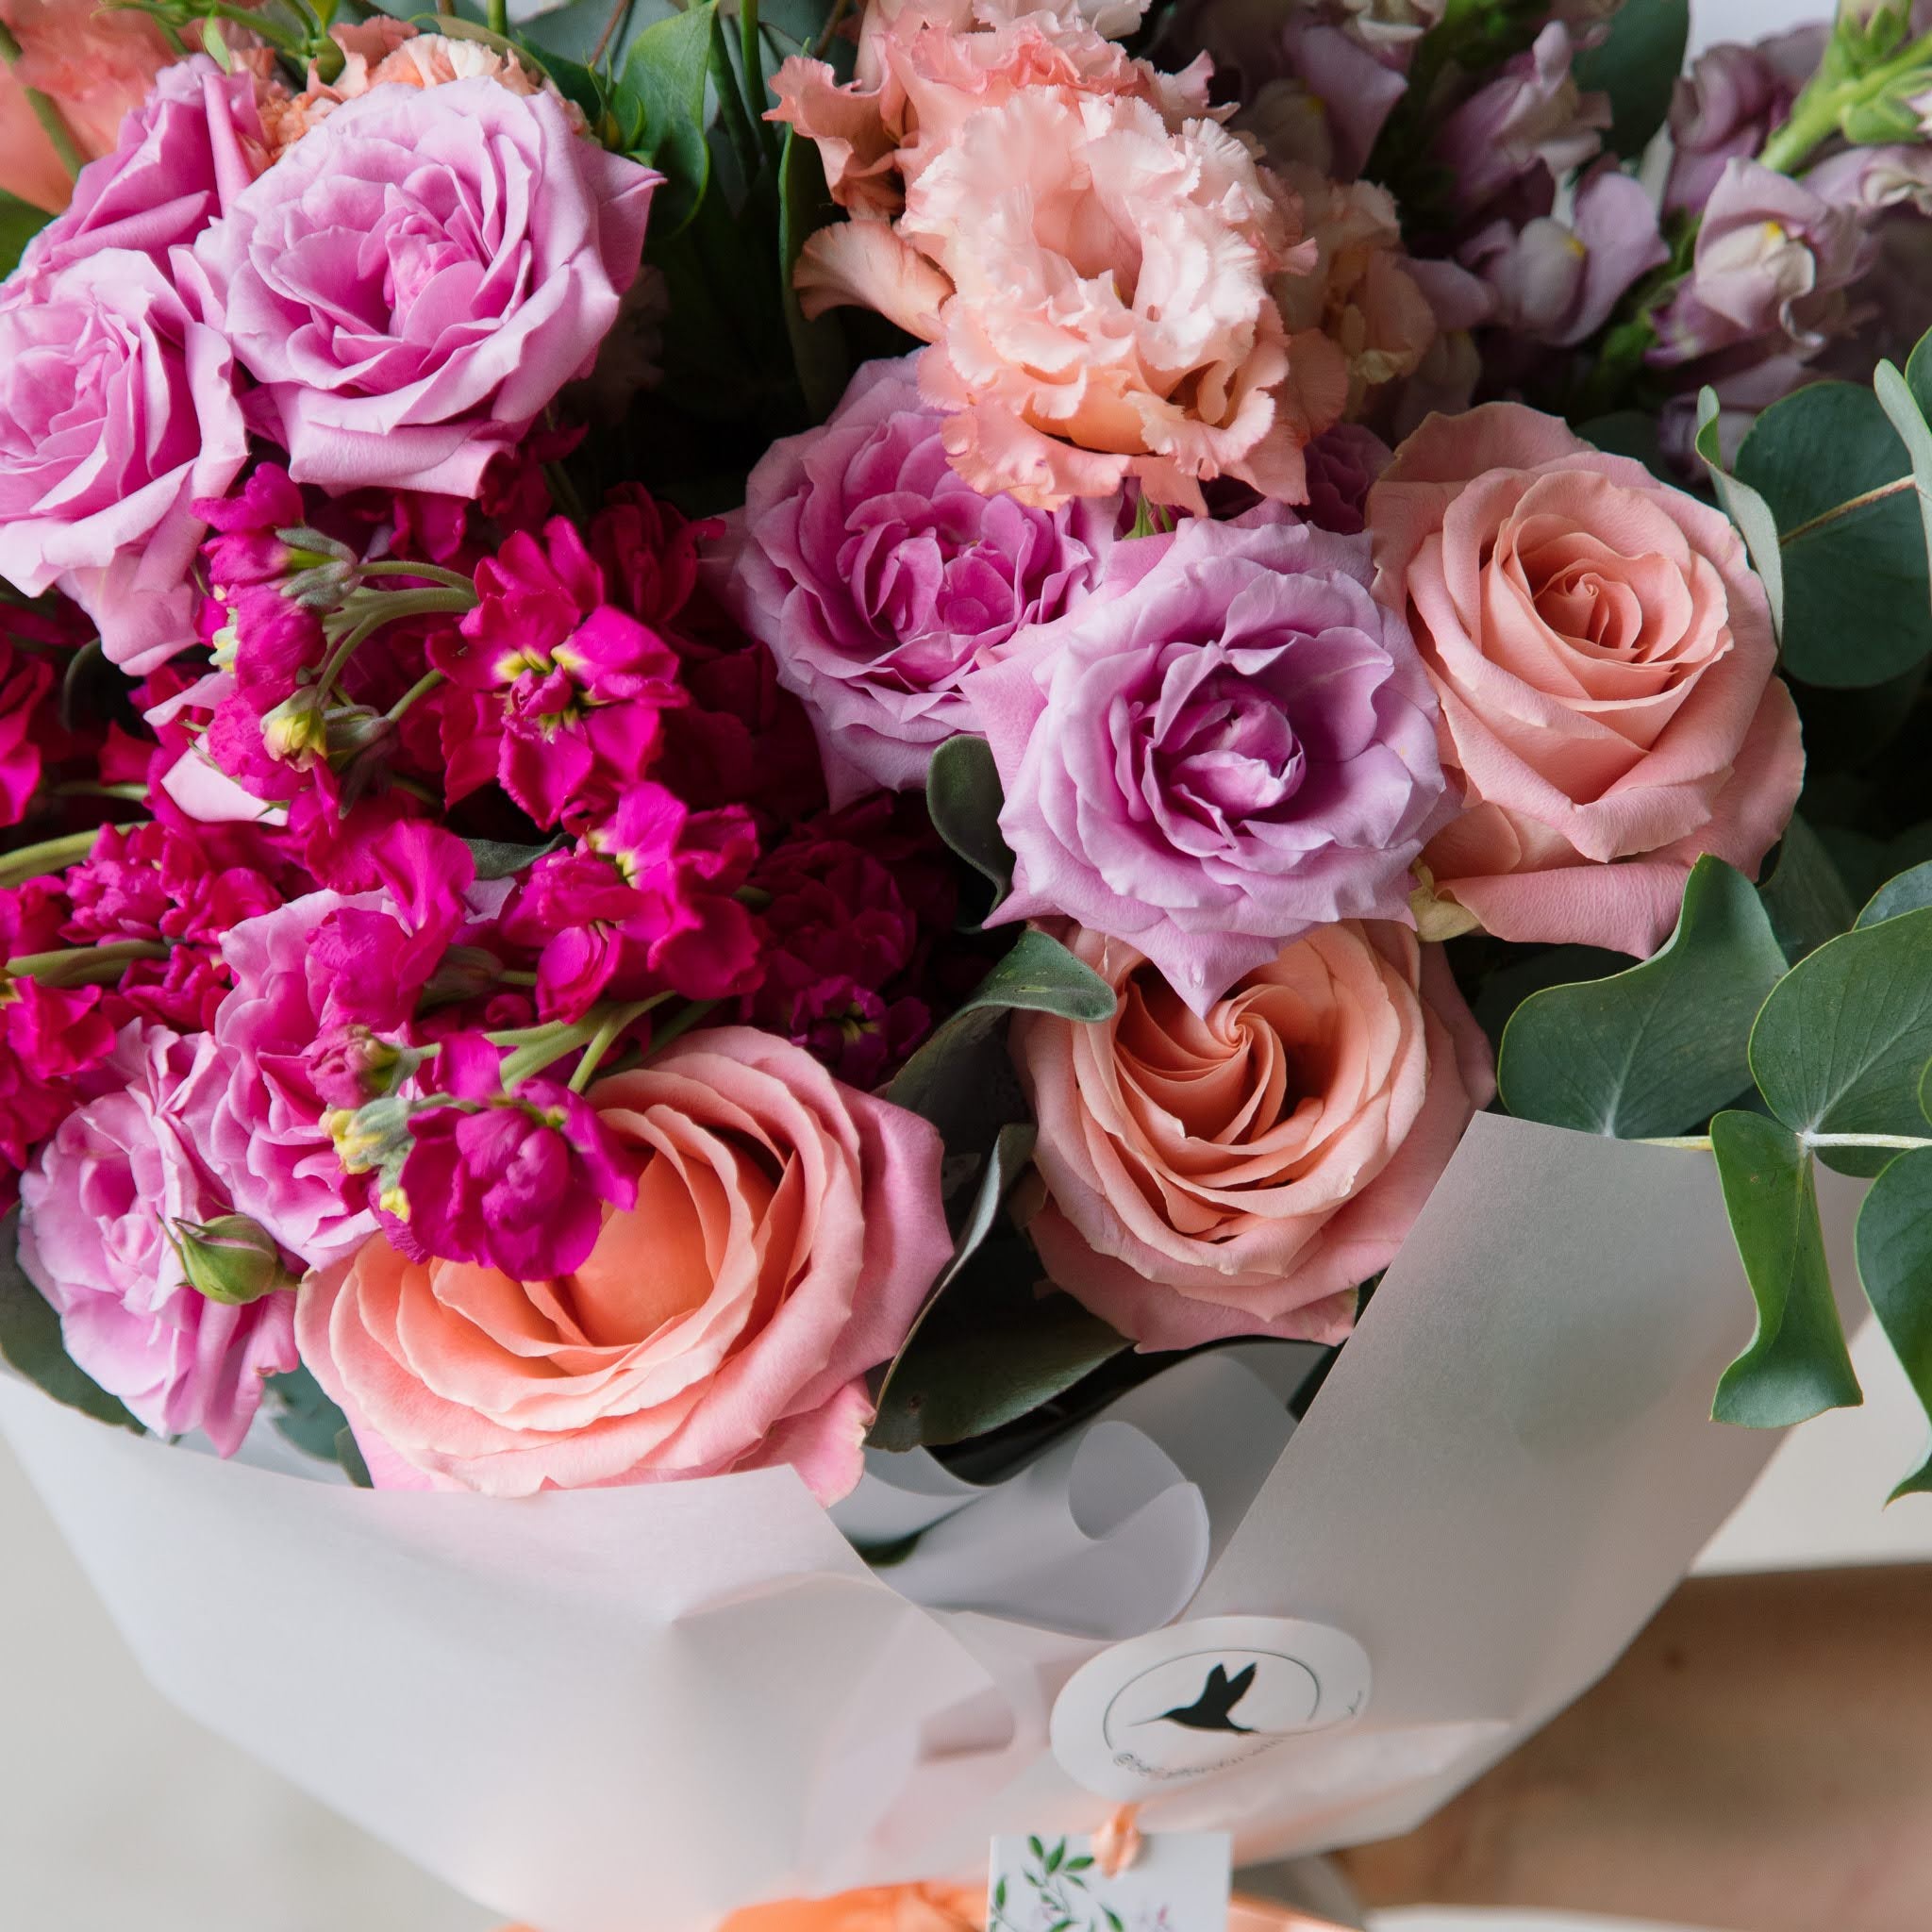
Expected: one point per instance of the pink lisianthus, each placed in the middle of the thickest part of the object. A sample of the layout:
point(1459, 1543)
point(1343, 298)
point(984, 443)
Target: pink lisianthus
point(785, 1233)
point(408, 209)
point(96, 1211)
point(117, 411)
point(878, 577)
point(1095, 285)
point(1226, 749)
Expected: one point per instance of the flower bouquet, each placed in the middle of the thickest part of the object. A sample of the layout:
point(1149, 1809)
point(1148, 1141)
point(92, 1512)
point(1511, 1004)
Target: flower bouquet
point(920, 915)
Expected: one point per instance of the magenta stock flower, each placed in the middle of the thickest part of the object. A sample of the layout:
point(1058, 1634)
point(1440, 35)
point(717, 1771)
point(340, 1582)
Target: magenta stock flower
point(414, 282)
point(48, 1036)
point(1241, 746)
point(247, 546)
point(514, 1181)
point(96, 1212)
point(879, 576)
point(23, 682)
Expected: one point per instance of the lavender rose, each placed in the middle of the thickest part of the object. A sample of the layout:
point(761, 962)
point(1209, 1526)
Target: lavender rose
point(418, 277)
point(878, 577)
point(117, 411)
point(1236, 746)
point(94, 1212)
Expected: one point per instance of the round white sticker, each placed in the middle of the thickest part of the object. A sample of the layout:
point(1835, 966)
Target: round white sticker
point(1201, 1699)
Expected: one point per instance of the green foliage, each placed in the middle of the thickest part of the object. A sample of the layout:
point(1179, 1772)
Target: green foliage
point(1909, 892)
point(19, 221)
point(303, 1414)
point(1745, 507)
point(1798, 1365)
point(818, 348)
point(1804, 893)
point(964, 797)
point(1637, 64)
point(1896, 1264)
point(1656, 1049)
point(660, 105)
point(497, 860)
point(30, 1340)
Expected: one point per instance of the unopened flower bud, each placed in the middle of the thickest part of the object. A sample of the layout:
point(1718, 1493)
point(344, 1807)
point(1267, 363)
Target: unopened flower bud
point(231, 1259)
point(368, 1136)
point(355, 1064)
point(322, 571)
point(296, 731)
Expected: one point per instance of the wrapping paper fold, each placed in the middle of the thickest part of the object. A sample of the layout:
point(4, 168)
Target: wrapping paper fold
point(656, 1705)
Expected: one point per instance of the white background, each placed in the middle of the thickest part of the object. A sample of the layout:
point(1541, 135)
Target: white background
point(116, 1815)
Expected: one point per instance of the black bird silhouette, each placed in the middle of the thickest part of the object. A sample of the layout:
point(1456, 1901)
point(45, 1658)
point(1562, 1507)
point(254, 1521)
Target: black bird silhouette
point(1213, 1710)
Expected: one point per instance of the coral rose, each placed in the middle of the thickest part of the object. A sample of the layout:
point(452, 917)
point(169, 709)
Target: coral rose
point(96, 1210)
point(1243, 1171)
point(786, 1231)
point(414, 282)
point(1605, 660)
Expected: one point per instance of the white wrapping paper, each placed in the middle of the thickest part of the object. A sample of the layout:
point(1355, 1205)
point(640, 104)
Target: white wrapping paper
point(621, 1709)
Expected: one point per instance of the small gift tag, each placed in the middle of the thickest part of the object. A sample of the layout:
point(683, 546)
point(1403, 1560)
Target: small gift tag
point(1179, 1882)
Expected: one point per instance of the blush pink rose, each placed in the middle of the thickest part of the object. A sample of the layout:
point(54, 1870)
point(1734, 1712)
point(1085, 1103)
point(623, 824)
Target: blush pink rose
point(414, 282)
point(96, 1208)
point(1243, 1171)
point(117, 412)
point(1605, 665)
point(786, 1231)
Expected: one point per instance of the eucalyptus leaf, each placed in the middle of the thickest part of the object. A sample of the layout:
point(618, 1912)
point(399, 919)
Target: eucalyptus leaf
point(1895, 1242)
point(1637, 63)
point(1804, 893)
point(660, 103)
point(1840, 1043)
point(32, 1343)
point(303, 1414)
point(1909, 892)
point(497, 859)
point(1658, 1048)
point(805, 203)
point(355, 1466)
point(1753, 515)
point(19, 221)
point(1798, 1365)
point(964, 799)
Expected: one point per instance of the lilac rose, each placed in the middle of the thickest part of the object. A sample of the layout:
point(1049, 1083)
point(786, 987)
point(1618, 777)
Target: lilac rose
point(117, 412)
point(97, 1209)
point(414, 282)
point(879, 576)
point(1232, 742)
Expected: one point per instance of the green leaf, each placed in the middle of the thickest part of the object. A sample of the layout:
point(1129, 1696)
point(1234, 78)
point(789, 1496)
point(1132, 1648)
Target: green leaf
point(818, 348)
point(498, 859)
point(660, 102)
point(1796, 1366)
point(1909, 892)
point(349, 1454)
point(303, 1414)
point(1054, 1856)
point(1840, 1042)
point(1637, 64)
point(964, 797)
point(19, 221)
point(30, 1340)
point(1804, 893)
point(1745, 507)
point(1858, 600)
point(1658, 1048)
point(1894, 1242)
point(1037, 1849)
point(1904, 413)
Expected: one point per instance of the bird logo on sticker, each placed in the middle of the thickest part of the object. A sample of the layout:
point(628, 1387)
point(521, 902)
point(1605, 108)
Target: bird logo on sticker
point(1213, 1710)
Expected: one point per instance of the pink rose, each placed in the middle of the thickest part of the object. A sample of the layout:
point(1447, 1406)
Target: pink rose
point(1605, 662)
point(1243, 1171)
point(416, 279)
point(786, 1231)
point(117, 411)
point(96, 1212)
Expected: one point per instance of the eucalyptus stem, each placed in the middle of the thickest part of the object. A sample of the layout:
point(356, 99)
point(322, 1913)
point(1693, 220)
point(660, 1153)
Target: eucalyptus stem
point(1701, 1142)
point(45, 110)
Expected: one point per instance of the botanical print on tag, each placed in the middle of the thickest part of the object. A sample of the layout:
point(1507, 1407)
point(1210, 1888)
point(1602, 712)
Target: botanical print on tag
point(1177, 1883)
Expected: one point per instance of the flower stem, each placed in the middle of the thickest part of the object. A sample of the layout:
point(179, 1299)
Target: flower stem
point(46, 112)
point(680, 1022)
point(404, 567)
point(499, 18)
point(50, 856)
point(553, 1042)
point(84, 965)
point(1701, 1142)
point(421, 689)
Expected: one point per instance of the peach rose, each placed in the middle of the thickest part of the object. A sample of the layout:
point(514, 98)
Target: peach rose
point(1243, 1172)
point(786, 1230)
point(1606, 663)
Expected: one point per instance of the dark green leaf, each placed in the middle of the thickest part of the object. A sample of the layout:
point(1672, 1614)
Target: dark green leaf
point(1656, 1049)
point(496, 859)
point(1909, 892)
point(1637, 64)
point(1804, 893)
point(1857, 603)
point(964, 797)
point(1796, 1366)
point(19, 221)
point(349, 1454)
point(30, 1340)
point(1080, 1864)
point(1037, 1849)
point(818, 348)
point(1745, 507)
point(1895, 1263)
point(1055, 1856)
point(303, 1414)
point(1840, 1043)
point(660, 102)
point(1626, 433)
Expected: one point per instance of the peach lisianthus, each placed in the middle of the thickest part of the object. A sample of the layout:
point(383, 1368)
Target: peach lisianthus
point(1095, 288)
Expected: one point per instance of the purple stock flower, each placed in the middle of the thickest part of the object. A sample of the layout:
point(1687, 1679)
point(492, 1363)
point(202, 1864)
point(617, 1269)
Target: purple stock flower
point(1343, 463)
point(1239, 746)
point(1733, 96)
point(879, 577)
point(512, 1181)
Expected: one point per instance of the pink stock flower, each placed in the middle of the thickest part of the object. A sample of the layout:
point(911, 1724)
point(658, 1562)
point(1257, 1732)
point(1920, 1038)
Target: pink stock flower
point(117, 411)
point(786, 1231)
point(481, 247)
point(1095, 285)
point(878, 577)
point(25, 681)
point(245, 548)
point(97, 1209)
point(643, 905)
point(513, 1181)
